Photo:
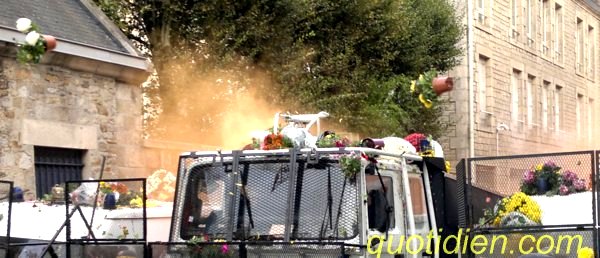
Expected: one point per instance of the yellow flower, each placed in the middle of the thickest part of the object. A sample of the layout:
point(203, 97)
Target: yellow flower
point(448, 167)
point(421, 77)
point(413, 85)
point(427, 103)
point(585, 252)
point(539, 167)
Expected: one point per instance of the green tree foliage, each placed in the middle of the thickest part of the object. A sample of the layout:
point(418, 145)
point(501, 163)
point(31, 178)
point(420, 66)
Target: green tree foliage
point(354, 59)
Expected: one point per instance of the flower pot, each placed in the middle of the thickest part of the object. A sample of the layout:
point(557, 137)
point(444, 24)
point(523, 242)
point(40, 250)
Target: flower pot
point(542, 185)
point(442, 84)
point(110, 201)
point(49, 42)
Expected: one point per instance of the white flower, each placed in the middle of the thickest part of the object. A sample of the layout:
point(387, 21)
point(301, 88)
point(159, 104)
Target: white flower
point(23, 24)
point(32, 38)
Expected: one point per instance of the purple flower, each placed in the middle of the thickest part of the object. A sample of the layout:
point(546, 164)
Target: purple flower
point(549, 164)
point(529, 177)
point(564, 190)
point(569, 177)
point(579, 184)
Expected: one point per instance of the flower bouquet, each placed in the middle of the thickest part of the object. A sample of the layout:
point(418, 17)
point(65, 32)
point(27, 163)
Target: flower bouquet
point(516, 210)
point(547, 179)
point(217, 250)
point(351, 165)
point(542, 179)
point(35, 45)
point(333, 140)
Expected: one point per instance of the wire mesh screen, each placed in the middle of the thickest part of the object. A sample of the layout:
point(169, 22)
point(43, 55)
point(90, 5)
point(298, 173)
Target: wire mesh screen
point(266, 197)
point(555, 243)
point(559, 183)
point(327, 204)
point(208, 198)
point(263, 199)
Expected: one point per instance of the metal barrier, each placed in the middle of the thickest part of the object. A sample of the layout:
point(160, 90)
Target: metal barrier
point(566, 199)
point(247, 249)
point(6, 199)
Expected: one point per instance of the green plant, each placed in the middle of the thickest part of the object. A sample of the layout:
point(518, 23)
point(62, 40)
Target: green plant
point(351, 165)
point(423, 90)
point(201, 249)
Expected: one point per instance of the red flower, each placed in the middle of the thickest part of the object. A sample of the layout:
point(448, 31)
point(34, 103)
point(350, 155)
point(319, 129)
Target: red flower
point(415, 140)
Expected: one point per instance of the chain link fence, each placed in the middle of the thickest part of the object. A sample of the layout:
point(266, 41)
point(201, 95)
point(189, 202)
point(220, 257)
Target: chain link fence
point(556, 201)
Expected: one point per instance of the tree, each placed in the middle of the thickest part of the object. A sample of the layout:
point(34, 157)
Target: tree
point(354, 59)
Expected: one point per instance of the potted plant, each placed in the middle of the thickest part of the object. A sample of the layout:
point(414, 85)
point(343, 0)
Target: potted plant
point(542, 179)
point(429, 86)
point(36, 44)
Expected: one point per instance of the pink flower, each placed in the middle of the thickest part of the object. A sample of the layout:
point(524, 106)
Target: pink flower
point(579, 184)
point(529, 177)
point(224, 248)
point(564, 190)
point(569, 177)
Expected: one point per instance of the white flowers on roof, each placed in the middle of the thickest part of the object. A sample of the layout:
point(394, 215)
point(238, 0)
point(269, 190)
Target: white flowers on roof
point(32, 38)
point(23, 24)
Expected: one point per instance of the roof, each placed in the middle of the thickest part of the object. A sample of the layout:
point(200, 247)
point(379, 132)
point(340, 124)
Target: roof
point(71, 20)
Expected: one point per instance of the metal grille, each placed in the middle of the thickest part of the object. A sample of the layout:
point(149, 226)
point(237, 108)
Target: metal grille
point(56, 166)
point(328, 204)
point(265, 200)
point(266, 186)
point(461, 198)
point(497, 177)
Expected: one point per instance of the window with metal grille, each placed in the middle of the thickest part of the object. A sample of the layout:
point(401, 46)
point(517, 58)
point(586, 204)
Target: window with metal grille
point(56, 166)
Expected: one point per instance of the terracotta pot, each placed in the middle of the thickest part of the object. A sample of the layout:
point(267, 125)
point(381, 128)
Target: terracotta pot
point(442, 84)
point(49, 42)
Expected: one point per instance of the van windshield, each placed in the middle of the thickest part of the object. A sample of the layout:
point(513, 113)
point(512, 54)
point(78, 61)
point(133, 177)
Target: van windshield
point(265, 198)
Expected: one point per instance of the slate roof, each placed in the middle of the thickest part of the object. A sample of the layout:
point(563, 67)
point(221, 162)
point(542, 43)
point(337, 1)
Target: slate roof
point(63, 19)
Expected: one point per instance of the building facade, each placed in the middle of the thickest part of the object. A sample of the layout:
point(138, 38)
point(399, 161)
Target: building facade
point(529, 82)
point(82, 102)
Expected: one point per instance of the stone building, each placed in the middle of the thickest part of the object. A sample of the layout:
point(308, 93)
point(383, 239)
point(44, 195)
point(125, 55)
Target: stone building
point(82, 102)
point(529, 81)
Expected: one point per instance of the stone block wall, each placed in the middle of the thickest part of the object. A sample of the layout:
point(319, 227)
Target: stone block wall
point(502, 54)
point(43, 105)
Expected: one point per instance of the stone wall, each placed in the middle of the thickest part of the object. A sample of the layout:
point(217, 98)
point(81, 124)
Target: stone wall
point(504, 53)
point(42, 105)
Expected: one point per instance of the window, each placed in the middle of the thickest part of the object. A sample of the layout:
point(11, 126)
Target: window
point(484, 89)
point(546, 24)
point(380, 200)
point(56, 166)
point(579, 115)
point(591, 56)
point(530, 98)
point(558, 101)
point(580, 46)
point(484, 12)
point(529, 22)
point(558, 34)
point(514, 19)
point(516, 86)
point(544, 104)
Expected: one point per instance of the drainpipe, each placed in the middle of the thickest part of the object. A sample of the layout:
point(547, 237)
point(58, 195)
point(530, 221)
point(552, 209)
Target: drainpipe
point(470, 54)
